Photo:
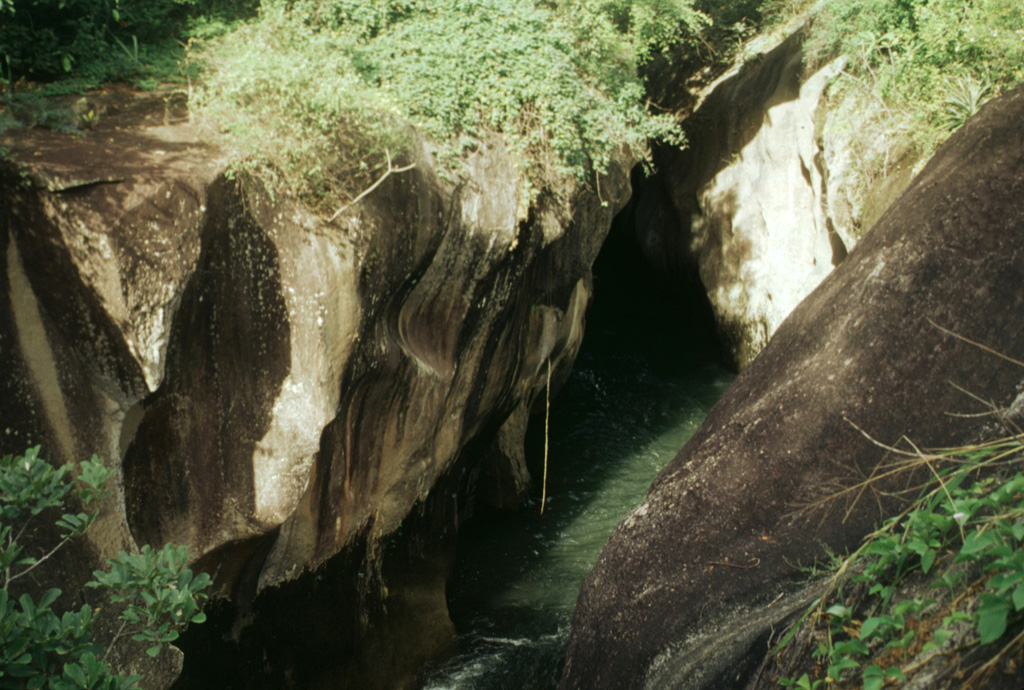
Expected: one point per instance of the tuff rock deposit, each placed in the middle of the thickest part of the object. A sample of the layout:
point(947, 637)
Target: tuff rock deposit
point(692, 583)
point(312, 407)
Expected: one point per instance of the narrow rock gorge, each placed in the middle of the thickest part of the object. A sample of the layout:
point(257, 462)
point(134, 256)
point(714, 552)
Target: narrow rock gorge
point(315, 407)
point(695, 581)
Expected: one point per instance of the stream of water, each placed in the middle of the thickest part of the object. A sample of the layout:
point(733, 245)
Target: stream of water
point(646, 377)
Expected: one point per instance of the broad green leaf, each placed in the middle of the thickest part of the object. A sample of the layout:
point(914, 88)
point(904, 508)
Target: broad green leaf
point(75, 673)
point(1002, 582)
point(927, 560)
point(849, 647)
point(20, 670)
point(871, 625)
point(873, 678)
point(1018, 597)
point(835, 670)
point(48, 598)
point(991, 617)
point(839, 610)
point(978, 541)
point(27, 605)
point(895, 672)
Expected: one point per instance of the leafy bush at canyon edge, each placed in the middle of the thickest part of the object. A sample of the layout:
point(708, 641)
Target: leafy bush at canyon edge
point(916, 71)
point(41, 647)
point(558, 80)
point(315, 93)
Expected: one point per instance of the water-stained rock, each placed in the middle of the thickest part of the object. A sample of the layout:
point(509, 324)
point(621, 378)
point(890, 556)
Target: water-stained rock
point(691, 583)
point(311, 406)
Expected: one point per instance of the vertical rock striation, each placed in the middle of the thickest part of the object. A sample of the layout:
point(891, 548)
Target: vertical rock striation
point(312, 407)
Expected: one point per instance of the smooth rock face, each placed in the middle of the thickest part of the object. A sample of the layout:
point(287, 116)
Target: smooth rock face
point(280, 393)
point(686, 591)
point(98, 238)
point(745, 206)
point(97, 241)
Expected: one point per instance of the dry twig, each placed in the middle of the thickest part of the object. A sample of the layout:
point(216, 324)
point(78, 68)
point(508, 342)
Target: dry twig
point(391, 169)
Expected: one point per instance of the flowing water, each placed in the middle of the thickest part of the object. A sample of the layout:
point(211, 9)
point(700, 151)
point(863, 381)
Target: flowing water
point(646, 377)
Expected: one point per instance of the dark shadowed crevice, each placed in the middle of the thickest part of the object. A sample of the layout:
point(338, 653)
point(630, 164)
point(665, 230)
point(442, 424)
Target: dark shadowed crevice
point(638, 309)
point(649, 369)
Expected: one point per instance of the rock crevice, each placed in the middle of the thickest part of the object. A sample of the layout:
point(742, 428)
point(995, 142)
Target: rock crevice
point(870, 349)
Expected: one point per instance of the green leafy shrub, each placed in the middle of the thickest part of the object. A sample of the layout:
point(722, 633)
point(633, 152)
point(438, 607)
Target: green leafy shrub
point(309, 82)
point(84, 43)
point(969, 519)
point(654, 26)
point(93, 40)
point(42, 648)
point(288, 98)
point(910, 52)
point(160, 593)
point(916, 70)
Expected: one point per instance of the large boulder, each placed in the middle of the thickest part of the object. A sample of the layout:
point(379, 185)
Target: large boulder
point(691, 582)
point(282, 393)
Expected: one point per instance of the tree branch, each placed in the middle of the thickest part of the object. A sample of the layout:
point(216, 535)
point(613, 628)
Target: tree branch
point(26, 571)
point(391, 169)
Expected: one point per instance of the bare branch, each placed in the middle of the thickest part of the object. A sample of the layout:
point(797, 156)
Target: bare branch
point(911, 460)
point(26, 571)
point(113, 641)
point(391, 169)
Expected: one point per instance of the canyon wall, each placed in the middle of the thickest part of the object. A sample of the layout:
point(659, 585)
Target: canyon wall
point(287, 396)
point(763, 201)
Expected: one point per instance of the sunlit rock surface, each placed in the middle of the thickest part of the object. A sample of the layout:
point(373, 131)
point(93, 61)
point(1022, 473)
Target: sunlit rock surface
point(754, 206)
point(311, 406)
point(692, 583)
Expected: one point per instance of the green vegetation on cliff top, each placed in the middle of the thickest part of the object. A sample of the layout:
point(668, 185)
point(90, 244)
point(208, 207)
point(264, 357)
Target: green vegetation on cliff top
point(915, 71)
point(316, 93)
point(557, 80)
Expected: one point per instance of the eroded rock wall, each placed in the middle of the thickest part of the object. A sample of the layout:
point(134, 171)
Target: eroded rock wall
point(694, 581)
point(284, 394)
point(757, 206)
